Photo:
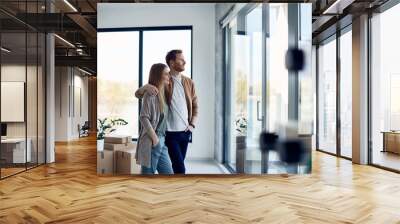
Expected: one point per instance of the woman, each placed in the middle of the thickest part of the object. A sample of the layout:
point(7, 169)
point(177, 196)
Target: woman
point(152, 154)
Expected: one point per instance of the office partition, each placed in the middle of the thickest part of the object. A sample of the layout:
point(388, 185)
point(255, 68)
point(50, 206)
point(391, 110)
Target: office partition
point(23, 88)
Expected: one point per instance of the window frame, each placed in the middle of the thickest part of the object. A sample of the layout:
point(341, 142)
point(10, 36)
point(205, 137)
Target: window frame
point(334, 37)
point(379, 10)
point(141, 30)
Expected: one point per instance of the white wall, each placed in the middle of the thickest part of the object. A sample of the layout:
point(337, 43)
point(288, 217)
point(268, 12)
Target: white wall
point(66, 121)
point(17, 73)
point(61, 103)
point(79, 117)
point(33, 126)
point(202, 18)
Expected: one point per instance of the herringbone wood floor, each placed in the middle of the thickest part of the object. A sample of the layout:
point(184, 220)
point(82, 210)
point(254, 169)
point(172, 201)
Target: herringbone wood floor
point(69, 191)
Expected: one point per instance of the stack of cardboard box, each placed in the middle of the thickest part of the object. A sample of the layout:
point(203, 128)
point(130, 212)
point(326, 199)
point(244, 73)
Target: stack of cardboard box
point(118, 156)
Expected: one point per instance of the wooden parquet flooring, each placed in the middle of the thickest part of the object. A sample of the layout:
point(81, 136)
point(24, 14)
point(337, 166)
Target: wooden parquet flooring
point(11, 170)
point(70, 191)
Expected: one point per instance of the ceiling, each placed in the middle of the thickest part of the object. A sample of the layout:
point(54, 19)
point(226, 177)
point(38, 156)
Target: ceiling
point(76, 22)
point(329, 16)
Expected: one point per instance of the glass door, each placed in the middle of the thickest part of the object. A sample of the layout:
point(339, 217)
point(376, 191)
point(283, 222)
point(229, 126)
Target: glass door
point(15, 152)
point(277, 77)
point(22, 90)
point(257, 83)
point(255, 116)
point(245, 87)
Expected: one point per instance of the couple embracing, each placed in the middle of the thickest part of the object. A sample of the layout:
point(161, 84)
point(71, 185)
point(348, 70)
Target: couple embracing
point(167, 117)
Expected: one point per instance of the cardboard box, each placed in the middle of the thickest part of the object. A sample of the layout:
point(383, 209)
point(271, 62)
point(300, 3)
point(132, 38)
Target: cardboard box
point(105, 162)
point(114, 147)
point(392, 142)
point(118, 139)
point(126, 162)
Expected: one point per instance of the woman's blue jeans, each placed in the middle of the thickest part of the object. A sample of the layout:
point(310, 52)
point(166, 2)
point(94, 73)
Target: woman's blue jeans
point(160, 160)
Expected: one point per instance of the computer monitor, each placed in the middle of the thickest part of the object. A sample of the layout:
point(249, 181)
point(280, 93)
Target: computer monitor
point(3, 129)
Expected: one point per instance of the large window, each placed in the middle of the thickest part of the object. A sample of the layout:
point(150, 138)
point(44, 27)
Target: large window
point(118, 78)
point(335, 94)
point(306, 76)
point(327, 96)
point(385, 89)
point(156, 45)
point(124, 60)
point(257, 84)
point(346, 94)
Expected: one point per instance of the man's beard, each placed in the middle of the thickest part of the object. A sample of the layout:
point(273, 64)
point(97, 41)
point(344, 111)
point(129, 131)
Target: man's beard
point(180, 69)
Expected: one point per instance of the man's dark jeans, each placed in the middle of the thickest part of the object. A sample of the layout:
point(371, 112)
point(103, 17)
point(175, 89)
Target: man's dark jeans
point(177, 143)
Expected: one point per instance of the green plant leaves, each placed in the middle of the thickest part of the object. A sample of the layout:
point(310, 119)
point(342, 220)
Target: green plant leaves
point(107, 125)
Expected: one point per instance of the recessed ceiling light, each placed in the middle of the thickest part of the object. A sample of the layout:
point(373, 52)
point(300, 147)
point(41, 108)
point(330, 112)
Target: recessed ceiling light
point(65, 41)
point(84, 71)
point(5, 50)
point(337, 7)
point(70, 5)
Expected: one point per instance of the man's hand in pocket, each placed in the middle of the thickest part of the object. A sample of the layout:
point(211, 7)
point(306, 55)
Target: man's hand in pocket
point(190, 128)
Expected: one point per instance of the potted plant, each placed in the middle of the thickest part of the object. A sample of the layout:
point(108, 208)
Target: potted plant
point(241, 129)
point(107, 126)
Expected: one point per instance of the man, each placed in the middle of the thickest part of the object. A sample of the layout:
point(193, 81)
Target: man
point(183, 109)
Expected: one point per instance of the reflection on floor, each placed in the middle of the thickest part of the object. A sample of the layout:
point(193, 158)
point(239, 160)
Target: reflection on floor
point(253, 162)
point(275, 166)
point(204, 167)
point(387, 159)
point(10, 168)
point(10, 171)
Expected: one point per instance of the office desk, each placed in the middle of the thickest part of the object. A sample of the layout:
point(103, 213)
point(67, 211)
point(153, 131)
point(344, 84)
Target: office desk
point(13, 150)
point(391, 142)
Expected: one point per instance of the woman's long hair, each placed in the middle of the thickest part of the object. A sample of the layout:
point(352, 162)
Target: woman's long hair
point(156, 79)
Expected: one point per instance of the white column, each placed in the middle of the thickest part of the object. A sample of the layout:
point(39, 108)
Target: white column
point(360, 90)
point(50, 92)
point(50, 99)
